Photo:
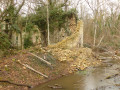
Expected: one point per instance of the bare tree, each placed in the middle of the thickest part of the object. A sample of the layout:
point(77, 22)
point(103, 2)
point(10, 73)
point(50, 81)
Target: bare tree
point(48, 22)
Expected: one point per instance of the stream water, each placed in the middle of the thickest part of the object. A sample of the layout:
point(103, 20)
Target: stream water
point(103, 77)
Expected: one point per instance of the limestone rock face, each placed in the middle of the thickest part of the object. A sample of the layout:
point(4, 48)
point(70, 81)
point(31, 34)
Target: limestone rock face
point(72, 41)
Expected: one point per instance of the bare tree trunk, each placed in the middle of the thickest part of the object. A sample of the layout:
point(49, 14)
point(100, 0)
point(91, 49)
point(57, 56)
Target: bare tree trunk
point(94, 35)
point(100, 41)
point(48, 27)
point(66, 5)
point(6, 27)
point(81, 34)
point(21, 39)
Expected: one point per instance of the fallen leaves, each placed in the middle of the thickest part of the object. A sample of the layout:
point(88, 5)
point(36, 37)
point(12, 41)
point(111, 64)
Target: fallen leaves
point(81, 58)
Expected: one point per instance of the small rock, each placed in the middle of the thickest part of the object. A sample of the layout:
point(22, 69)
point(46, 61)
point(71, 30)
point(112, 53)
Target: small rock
point(24, 67)
point(0, 86)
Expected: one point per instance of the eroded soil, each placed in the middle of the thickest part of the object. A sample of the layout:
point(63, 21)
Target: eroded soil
point(14, 72)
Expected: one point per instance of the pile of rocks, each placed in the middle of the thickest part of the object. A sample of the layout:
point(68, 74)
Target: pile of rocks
point(81, 58)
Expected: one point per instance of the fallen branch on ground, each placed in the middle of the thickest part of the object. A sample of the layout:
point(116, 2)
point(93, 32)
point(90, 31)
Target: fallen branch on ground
point(109, 77)
point(41, 59)
point(27, 66)
point(5, 81)
point(55, 87)
point(113, 57)
point(117, 84)
point(118, 57)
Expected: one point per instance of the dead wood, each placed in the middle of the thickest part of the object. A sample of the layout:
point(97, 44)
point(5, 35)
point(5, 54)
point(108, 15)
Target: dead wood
point(109, 77)
point(108, 58)
point(55, 87)
point(27, 66)
point(117, 84)
point(100, 41)
point(5, 81)
point(41, 59)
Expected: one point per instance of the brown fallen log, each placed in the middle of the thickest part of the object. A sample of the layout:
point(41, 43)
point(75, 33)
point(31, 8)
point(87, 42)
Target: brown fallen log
point(5, 81)
point(41, 59)
point(118, 57)
point(27, 66)
point(117, 84)
point(109, 77)
point(55, 87)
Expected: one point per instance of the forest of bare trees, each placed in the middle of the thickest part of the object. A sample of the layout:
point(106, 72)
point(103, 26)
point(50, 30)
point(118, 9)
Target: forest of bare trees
point(101, 18)
point(102, 22)
point(42, 40)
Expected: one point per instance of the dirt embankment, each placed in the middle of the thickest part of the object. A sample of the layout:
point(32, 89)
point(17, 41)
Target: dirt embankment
point(64, 61)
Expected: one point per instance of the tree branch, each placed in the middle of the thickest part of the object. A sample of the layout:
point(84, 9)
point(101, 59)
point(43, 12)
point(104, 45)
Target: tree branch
point(20, 8)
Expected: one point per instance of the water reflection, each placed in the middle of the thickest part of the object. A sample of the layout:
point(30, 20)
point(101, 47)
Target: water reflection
point(92, 79)
point(90, 82)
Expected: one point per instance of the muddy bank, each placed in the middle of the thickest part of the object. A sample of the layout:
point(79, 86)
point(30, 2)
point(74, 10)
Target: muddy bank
point(103, 77)
point(14, 72)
